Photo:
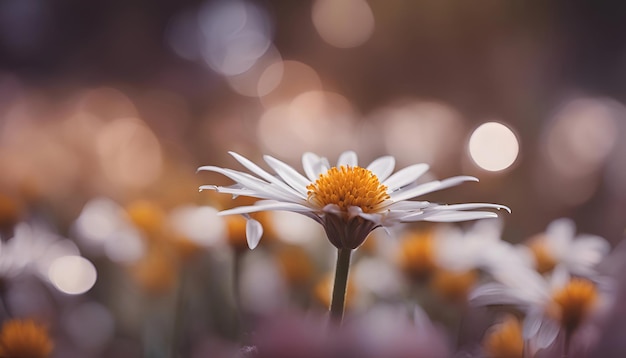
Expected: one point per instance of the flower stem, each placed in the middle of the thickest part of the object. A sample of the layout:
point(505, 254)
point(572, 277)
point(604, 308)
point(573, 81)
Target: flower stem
point(341, 283)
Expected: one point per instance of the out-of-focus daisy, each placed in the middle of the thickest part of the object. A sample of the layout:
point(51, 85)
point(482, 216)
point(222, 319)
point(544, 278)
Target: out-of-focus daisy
point(450, 259)
point(103, 227)
point(416, 254)
point(348, 200)
point(150, 240)
point(559, 245)
point(24, 339)
point(33, 249)
point(556, 304)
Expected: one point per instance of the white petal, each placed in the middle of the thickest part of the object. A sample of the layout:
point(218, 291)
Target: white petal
point(405, 194)
point(254, 231)
point(454, 216)
point(528, 284)
point(255, 184)
point(591, 243)
point(409, 193)
point(493, 294)
point(269, 205)
point(560, 277)
point(409, 205)
point(470, 206)
point(561, 232)
point(375, 218)
point(262, 173)
point(354, 211)
point(313, 165)
point(405, 176)
point(289, 175)
point(348, 158)
point(239, 177)
point(548, 331)
point(234, 191)
point(532, 323)
point(585, 252)
point(332, 209)
point(253, 167)
point(382, 167)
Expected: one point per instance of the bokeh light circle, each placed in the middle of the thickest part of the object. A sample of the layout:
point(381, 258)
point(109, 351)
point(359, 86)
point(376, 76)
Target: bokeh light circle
point(72, 274)
point(343, 23)
point(493, 146)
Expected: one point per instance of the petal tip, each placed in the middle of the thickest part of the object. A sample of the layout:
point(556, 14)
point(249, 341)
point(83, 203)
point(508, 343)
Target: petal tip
point(254, 231)
point(207, 187)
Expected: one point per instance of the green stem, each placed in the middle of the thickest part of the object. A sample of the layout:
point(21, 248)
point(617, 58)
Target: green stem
point(179, 310)
point(341, 283)
point(566, 342)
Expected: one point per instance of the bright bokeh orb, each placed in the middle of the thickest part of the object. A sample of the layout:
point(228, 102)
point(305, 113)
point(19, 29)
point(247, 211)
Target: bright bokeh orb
point(343, 23)
point(493, 146)
point(72, 274)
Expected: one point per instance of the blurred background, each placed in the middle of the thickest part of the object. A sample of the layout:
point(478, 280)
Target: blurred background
point(107, 109)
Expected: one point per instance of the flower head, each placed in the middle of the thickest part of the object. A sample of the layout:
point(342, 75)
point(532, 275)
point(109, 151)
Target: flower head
point(348, 200)
point(560, 245)
point(24, 339)
point(554, 304)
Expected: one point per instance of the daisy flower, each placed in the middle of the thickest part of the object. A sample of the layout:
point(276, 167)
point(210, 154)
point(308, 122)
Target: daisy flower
point(451, 258)
point(24, 339)
point(560, 245)
point(559, 303)
point(349, 201)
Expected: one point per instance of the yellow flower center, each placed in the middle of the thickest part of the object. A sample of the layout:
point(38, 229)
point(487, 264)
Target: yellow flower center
point(573, 302)
point(348, 186)
point(417, 254)
point(505, 340)
point(453, 285)
point(147, 216)
point(24, 339)
point(544, 259)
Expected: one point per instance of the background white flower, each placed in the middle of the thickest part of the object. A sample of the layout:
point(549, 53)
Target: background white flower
point(551, 304)
point(559, 245)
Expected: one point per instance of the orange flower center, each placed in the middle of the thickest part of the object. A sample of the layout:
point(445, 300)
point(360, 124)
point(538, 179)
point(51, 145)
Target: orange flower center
point(573, 302)
point(453, 285)
point(544, 259)
point(505, 340)
point(24, 338)
point(417, 255)
point(348, 186)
